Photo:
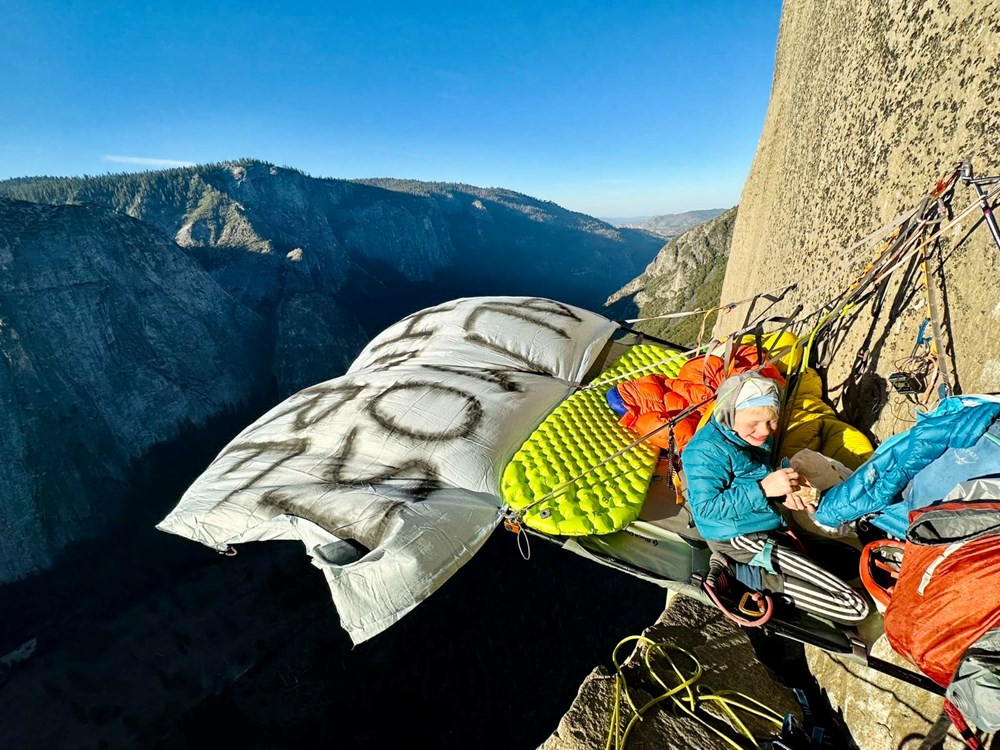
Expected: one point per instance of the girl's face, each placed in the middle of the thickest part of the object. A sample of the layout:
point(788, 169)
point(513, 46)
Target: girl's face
point(755, 425)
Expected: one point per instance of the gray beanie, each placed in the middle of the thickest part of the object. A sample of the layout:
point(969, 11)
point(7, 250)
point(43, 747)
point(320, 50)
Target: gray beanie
point(744, 391)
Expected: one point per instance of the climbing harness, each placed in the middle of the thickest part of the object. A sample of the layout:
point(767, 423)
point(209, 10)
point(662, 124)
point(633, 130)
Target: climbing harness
point(747, 608)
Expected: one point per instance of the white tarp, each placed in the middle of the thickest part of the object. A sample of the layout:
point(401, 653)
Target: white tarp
point(403, 454)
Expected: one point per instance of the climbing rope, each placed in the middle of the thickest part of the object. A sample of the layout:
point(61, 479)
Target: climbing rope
point(685, 355)
point(709, 310)
point(908, 236)
point(696, 351)
point(899, 249)
point(708, 707)
point(906, 243)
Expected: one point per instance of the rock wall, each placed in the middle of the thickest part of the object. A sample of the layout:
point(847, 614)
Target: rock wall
point(882, 712)
point(871, 103)
point(111, 339)
point(686, 274)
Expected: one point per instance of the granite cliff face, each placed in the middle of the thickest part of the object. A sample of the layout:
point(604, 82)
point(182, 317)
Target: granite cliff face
point(871, 104)
point(111, 338)
point(685, 275)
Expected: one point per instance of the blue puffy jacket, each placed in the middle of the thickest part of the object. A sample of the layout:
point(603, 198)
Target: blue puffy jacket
point(957, 423)
point(723, 472)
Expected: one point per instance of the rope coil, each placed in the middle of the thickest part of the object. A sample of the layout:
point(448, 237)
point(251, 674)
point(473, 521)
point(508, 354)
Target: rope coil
point(715, 710)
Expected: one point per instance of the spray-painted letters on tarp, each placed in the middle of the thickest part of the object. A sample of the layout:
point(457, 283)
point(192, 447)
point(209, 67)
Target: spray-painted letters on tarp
point(427, 381)
point(402, 456)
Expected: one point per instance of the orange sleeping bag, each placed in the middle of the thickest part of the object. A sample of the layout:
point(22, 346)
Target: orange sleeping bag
point(653, 400)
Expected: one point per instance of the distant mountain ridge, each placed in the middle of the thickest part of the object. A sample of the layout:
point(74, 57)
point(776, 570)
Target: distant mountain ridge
point(667, 226)
point(132, 304)
point(543, 211)
point(382, 247)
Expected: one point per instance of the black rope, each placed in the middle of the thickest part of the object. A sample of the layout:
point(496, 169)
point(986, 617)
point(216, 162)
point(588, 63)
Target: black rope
point(643, 336)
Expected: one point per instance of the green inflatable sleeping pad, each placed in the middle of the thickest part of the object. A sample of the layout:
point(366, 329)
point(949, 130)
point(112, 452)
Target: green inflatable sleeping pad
point(580, 433)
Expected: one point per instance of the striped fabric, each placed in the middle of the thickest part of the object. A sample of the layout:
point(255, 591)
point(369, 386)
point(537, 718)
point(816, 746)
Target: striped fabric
point(810, 588)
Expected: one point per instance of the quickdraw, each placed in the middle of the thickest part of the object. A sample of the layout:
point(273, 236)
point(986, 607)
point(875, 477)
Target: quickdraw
point(513, 521)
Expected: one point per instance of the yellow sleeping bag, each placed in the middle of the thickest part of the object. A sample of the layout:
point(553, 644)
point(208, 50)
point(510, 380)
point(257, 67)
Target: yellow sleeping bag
point(813, 424)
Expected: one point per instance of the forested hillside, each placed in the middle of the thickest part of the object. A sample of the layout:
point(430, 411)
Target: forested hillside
point(387, 246)
point(112, 340)
point(686, 275)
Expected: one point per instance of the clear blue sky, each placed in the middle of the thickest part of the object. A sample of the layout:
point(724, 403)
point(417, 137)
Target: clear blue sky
point(610, 108)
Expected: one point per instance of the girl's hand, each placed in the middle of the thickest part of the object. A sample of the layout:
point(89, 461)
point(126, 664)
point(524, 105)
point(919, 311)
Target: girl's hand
point(806, 494)
point(780, 482)
point(794, 502)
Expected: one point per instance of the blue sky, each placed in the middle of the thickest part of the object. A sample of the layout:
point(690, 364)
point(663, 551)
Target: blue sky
point(613, 109)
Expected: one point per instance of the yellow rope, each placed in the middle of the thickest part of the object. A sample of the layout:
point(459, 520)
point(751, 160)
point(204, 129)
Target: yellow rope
point(692, 699)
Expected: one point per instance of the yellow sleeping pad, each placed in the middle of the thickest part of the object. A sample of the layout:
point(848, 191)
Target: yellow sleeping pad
point(577, 436)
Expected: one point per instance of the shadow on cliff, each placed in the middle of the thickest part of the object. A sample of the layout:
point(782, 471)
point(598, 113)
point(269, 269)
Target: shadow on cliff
point(148, 640)
point(863, 393)
point(92, 576)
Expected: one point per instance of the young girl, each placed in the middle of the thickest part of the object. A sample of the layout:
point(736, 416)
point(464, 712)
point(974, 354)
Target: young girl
point(732, 491)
